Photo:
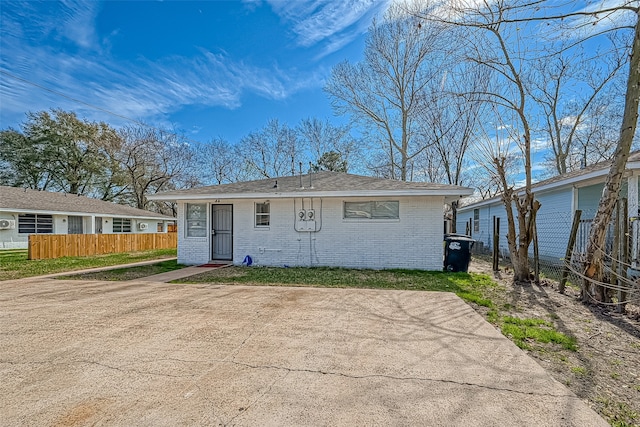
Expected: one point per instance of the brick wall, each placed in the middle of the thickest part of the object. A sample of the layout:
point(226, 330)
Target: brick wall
point(414, 241)
point(191, 250)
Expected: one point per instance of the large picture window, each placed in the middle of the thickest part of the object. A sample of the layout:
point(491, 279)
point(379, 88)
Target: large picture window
point(263, 215)
point(35, 224)
point(196, 217)
point(121, 225)
point(389, 209)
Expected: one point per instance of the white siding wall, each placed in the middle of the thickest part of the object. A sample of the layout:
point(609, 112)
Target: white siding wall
point(59, 225)
point(152, 226)
point(484, 236)
point(554, 221)
point(414, 241)
point(107, 225)
point(10, 239)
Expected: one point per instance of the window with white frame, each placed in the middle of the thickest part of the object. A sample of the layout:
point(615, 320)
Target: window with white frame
point(196, 218)
point(476, 220)
point(263, 214)
point(121, 225)
point(35, 224)
point(387, 209)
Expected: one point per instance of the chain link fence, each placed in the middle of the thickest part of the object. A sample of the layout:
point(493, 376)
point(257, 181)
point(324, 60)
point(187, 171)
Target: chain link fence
point(621, 248)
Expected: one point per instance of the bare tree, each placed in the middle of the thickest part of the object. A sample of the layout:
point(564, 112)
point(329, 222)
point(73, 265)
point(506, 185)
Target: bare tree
point(218, 163)
point(450, 118)
point(576, 22)
point(271, 152)
point(508, 60)
point(613, 184)
point(497, 47)
point(154, 161)
point(383, 92)
point(321, 137)
point(569, 87)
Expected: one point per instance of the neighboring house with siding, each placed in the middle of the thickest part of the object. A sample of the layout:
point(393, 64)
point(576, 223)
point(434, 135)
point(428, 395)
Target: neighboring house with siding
point(26, 211)
point(560, 197)
point(323, 219)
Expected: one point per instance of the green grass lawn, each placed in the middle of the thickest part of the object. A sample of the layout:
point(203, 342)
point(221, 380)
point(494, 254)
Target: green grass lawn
point(470, 287)
point(130, 273)
point(15, 265)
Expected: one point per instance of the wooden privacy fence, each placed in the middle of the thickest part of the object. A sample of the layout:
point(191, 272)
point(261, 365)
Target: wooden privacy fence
point(47, 246)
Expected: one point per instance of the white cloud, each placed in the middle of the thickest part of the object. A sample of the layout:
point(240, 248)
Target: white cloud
point(334, 23)
point(142, 90)
point(77, 23)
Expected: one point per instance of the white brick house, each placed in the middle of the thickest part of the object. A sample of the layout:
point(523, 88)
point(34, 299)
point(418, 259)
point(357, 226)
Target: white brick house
point(324, 219)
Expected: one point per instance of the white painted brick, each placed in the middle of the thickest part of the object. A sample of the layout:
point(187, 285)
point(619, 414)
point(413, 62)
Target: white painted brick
point(413, 242)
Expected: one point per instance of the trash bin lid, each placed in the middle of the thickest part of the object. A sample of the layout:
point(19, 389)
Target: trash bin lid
point(458, 238)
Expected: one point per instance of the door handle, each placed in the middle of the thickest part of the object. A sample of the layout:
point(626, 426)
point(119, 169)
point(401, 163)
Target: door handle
point(213, 232)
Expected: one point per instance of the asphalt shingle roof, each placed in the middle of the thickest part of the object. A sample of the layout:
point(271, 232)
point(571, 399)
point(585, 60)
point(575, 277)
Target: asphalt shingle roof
point(13, 198)
point(321, 182)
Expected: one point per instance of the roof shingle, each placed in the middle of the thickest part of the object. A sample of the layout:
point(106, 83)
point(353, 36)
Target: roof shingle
point(13, 198)
point(321, 182)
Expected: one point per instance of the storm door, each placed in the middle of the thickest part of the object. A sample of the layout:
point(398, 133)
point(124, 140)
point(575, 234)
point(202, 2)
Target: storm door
point(222, 232)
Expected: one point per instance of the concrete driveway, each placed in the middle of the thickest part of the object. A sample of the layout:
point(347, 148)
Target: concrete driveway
point(158, 354)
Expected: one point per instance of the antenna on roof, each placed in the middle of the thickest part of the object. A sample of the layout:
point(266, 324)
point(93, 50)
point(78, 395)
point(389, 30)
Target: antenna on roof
point(301, 175)
point(310, 173)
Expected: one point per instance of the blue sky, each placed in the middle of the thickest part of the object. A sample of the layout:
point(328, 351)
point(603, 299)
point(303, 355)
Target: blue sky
point(207, 69)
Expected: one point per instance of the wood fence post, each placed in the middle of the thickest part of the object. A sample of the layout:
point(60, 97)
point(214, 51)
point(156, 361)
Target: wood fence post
point(536, 256)
point(569, 252)
point(625, 240)
point(496, 243)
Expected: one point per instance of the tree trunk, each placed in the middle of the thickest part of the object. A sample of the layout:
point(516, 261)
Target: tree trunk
point(454, 216)
point(613, 184)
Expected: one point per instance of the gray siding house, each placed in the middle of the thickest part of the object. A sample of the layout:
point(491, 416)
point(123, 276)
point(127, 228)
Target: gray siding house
point(26, 211)
point(560, 197)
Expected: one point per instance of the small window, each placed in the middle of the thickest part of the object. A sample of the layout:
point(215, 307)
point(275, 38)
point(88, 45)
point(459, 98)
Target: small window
point(372, 210)
point(476, 220)
point(121, 225)
point(196, 220)
point(35, 224)
point(263, 215)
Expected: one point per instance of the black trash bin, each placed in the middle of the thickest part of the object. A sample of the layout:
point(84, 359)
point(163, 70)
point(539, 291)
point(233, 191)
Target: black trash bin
point(457, 252)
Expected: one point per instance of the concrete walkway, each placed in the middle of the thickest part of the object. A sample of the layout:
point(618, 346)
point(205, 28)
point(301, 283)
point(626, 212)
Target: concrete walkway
point(76, 352)
point(178, 274)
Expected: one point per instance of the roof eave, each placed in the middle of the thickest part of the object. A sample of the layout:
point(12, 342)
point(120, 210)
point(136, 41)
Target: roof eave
point(455, 193)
